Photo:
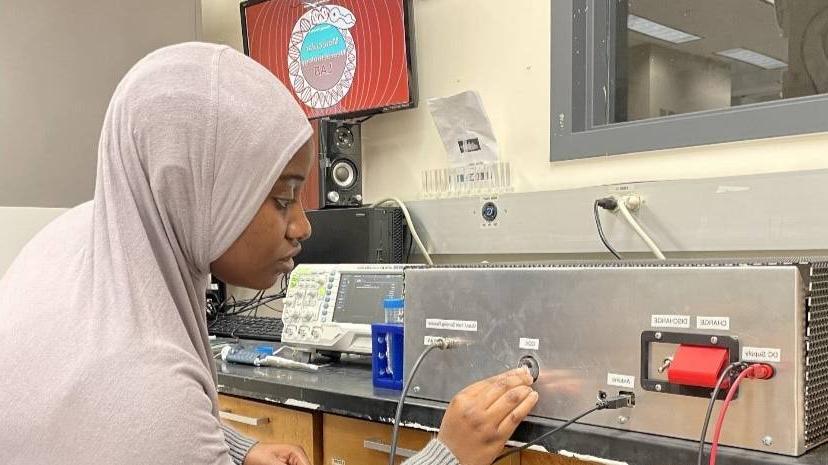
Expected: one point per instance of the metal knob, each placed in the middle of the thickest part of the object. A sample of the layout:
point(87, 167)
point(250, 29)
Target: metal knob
point(333, 196)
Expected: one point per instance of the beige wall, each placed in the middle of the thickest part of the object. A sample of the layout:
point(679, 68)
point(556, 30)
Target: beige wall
point(59, 63)
point(501, 49)
point(221, 22)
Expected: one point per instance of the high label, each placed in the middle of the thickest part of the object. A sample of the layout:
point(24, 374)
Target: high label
point(529, 344)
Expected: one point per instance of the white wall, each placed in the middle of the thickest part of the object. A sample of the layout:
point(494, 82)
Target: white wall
point(59, 64)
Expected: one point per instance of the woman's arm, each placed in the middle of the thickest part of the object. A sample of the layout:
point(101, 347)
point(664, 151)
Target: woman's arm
point(239, 444)
point(435, 453)
point(479, 421)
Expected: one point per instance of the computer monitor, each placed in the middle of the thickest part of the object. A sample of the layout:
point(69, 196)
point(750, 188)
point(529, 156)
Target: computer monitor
point(341, 58)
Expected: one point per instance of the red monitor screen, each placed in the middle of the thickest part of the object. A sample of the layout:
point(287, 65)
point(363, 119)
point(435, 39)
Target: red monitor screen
point(339, 57)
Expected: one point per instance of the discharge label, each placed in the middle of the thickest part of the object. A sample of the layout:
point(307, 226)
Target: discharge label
point(529, 344)
point(624, 381)
point(713, 322)
point(670, 321)
point(453, 325)
point(761, 354)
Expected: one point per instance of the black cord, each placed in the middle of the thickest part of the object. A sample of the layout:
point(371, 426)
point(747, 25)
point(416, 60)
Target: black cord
point(547, 434)
point(244, 306)
point(398, 416)
point(727, 372)
point(601, 229)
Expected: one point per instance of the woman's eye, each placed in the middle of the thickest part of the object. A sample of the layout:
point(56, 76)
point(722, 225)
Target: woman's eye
point(283, 203)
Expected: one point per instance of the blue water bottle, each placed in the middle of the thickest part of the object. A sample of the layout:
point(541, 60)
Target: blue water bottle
point(394, 310)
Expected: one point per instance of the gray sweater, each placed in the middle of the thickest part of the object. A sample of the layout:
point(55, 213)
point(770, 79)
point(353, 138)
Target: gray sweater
point(435, 453)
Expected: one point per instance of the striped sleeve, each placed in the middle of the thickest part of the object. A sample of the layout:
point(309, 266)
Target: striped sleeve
point(239, 444)
point(435, 453)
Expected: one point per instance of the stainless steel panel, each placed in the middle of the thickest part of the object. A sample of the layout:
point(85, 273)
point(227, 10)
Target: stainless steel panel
point(589, 321)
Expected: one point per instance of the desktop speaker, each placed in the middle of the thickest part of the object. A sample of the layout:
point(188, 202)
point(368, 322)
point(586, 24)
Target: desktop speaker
point(340, 164)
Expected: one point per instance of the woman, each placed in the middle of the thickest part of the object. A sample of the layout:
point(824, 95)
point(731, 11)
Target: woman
point(201, 158)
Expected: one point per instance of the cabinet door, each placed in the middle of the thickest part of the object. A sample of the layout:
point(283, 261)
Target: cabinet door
point(540, 458)
point(269, 423)
point(357, 442)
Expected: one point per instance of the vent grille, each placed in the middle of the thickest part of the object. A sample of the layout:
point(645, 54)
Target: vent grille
point(816, 357)
point(398, 233)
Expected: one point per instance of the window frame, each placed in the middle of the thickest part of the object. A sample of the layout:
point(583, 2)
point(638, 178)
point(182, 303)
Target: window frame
point(582, 32)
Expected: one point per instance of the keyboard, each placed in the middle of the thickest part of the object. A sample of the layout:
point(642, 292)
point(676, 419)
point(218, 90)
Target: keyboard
point(247, 327)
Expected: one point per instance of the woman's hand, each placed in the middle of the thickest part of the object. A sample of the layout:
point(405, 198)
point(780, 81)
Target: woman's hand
point(265, 453)
point(483, 416)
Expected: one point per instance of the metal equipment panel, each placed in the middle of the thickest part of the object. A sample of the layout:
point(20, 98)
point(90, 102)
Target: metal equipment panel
point(584, 325)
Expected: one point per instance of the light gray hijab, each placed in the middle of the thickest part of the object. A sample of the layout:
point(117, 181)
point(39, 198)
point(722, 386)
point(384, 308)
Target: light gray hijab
point(105, 355)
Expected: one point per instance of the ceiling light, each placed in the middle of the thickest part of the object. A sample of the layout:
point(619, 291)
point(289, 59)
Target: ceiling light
point(658, 31)
point(753, 58)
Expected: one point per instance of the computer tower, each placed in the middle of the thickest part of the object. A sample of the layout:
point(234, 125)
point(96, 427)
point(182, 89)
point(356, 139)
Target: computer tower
point(355, 235)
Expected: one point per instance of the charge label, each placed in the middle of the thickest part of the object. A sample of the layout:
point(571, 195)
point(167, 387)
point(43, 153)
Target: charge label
point(452, 325)
point(713, 322)
point(670, 321)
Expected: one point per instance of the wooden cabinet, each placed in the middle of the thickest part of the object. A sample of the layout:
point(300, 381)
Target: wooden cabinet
point(540, 458)
point(347, 441)
point(266, 422)
point(334, 440)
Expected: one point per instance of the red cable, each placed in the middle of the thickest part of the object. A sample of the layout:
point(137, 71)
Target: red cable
point(758, 371)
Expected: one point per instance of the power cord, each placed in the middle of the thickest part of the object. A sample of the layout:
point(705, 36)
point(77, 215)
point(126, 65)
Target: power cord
point(614, 204)
point(438, 343)
point(620, 401)
point(754, 371)
point(725, 374)
point(622, 207)
point(410, 224)
point(607, 203)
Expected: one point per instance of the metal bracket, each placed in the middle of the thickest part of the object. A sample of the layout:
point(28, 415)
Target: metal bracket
point(655, 385)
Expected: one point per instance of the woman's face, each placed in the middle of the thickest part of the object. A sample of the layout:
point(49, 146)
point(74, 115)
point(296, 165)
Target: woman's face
point(265, 250)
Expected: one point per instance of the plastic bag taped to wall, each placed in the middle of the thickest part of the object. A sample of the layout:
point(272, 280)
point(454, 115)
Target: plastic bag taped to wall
point(464, 128)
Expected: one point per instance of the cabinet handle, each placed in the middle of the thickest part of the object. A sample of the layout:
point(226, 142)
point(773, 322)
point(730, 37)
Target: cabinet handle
point(379, 446)
point(243, 419)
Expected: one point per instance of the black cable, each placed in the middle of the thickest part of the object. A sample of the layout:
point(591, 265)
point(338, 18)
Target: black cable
point(249, 305)
point(727, 372)
point(245, 304)
point(611, 403)
point(546, 434)
point(601, 229)
point(398, 416)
